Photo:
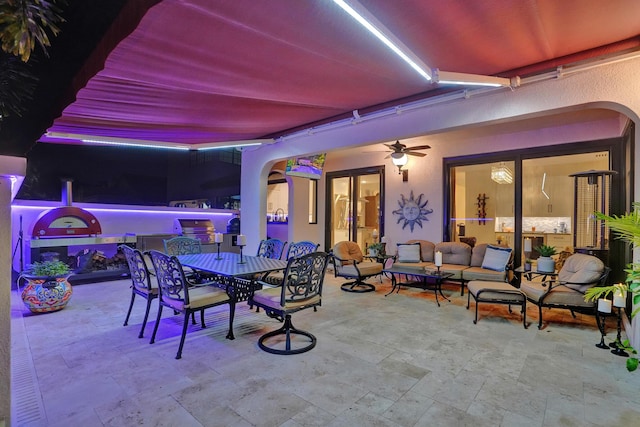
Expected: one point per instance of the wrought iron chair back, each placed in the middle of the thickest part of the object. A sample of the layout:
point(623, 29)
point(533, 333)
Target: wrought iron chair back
point(182, 245)
point(271, 248)
point(304, 247)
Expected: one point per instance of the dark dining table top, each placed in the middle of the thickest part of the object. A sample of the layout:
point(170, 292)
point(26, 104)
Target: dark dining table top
point(229, 265)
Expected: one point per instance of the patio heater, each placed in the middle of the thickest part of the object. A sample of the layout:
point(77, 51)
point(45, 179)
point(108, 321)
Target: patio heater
point(592, 193)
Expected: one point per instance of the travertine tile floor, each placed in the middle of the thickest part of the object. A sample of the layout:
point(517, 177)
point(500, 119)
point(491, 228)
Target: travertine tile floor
point(380, 361)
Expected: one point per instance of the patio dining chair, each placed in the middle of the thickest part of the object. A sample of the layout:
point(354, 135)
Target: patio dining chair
point(176, 294)
point(295, 249)
point(271, 248)
point(182, 245)
point(140, 283)
point(301, 289)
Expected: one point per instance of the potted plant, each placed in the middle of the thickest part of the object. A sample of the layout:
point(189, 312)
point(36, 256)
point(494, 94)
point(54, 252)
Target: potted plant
point(376, 249)
point(626, 227)
point(47, 288)
point(546, 264)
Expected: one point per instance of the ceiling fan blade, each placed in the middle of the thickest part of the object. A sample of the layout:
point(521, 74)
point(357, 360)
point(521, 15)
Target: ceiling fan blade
point(419, 147)
point(411, 153)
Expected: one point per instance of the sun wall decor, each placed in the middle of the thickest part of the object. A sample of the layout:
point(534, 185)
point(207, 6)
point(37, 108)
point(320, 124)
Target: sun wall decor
point(412, 211)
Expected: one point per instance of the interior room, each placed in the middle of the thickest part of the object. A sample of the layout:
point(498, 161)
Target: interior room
point(503, 126)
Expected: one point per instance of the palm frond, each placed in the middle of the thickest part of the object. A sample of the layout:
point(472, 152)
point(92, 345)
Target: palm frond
point(27, 23)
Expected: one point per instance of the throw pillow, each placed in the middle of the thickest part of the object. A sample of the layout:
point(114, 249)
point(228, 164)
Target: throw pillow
point(496, 258)
point(408, 252)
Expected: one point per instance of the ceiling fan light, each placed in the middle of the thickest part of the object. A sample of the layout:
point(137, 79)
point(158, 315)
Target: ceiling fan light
point(399, 159)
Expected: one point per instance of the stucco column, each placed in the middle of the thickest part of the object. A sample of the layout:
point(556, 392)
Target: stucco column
point(12, 171)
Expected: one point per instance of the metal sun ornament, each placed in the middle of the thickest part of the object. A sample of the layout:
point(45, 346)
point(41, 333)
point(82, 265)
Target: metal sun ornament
point(412, 211)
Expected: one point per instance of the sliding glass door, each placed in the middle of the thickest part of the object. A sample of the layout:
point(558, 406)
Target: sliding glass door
point(529, 195)
point(354, 206)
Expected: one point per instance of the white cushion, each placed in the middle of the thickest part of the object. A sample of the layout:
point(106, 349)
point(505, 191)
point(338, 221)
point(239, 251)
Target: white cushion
point(409, 252)
point(496, 258)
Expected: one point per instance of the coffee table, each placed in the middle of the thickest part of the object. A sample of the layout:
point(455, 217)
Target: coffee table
point(436, 277)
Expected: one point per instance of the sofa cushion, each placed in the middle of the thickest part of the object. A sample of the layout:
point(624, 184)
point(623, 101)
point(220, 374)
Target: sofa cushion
point(496, 258)
point(455, 253)
point(427, 249)
point(455, 269)
point(484, 274)
point(409, 252)
point(416, 266)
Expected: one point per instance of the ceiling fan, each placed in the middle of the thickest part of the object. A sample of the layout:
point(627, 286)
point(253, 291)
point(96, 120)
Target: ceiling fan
point(399, 149)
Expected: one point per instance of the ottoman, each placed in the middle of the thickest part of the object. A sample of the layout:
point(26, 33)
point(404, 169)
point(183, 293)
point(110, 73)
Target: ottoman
point(497, 293)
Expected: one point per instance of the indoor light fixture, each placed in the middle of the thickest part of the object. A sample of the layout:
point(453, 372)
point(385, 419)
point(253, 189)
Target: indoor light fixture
point(544, 180)
point(501, 174)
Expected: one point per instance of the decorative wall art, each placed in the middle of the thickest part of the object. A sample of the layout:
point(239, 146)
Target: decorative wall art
point(482, 208)
point(412, 211)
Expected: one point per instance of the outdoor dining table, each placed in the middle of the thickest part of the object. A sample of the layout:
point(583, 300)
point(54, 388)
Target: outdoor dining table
point(236, 276)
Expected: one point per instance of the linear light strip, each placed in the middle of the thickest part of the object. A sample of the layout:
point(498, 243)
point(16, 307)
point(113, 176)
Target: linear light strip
point(137, 211)
point(378, 29)
point(141, 143)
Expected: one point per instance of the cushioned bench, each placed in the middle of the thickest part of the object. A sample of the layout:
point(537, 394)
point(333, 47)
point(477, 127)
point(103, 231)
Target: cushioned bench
point(496, 293)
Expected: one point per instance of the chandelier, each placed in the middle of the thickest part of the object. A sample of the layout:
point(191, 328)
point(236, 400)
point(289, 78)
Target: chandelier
point(501, 174)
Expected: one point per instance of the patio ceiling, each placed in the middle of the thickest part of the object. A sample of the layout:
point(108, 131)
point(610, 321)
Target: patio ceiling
point(198, 72)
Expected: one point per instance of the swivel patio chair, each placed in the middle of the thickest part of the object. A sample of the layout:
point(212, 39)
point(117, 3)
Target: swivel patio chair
point(579, 273)
point(301, 289)
point(176, 294)
point(295, 249)
point(140, 283)
point(348, 263)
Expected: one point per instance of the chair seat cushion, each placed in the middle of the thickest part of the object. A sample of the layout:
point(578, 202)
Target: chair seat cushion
point(366, 269)
point(560, 295)
point(490, 291)
point(200, 296)
point(274, 278)
point(270, 297)
point(145, 291)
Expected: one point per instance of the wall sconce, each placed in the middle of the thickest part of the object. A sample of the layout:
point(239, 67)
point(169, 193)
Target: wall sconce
point(400, 160)
point(501, 174)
